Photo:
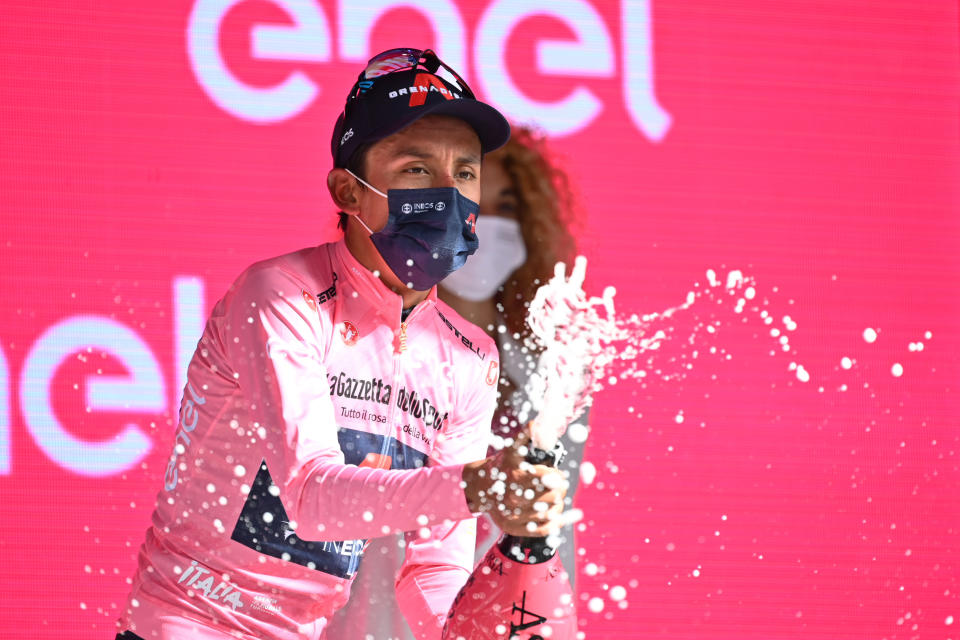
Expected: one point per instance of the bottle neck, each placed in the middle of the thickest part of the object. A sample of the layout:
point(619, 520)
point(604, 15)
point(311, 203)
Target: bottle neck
point(526, 550)
point(533, 550)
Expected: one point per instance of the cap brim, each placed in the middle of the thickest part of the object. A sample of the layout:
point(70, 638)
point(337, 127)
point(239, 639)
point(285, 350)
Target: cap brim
point(488, 123)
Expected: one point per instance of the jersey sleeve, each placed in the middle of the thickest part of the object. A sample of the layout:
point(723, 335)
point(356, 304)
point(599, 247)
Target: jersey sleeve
point(275, 342)
point(439, 558)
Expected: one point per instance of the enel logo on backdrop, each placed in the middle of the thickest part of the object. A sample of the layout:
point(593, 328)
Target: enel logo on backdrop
point(590, 55)
point(142, 390)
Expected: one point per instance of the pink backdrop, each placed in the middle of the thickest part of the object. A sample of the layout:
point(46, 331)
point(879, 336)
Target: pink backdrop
point(151, 150)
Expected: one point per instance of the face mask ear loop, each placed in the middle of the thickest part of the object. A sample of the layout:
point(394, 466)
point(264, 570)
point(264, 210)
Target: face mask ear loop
point(364, 224)
point(368, 186)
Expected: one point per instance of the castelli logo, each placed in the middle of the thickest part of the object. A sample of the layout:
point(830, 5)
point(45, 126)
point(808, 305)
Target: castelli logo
point(349, 333)
point(441, 206)
point(406, 208)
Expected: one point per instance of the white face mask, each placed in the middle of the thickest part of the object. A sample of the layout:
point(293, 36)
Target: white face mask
point(501, 251)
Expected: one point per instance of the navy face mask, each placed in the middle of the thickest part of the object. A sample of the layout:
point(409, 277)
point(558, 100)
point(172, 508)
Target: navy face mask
point(429, 233)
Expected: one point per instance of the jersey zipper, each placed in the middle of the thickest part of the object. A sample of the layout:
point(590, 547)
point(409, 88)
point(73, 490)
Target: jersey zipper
point(403, 338)
point(393, 430)
point(399, 349)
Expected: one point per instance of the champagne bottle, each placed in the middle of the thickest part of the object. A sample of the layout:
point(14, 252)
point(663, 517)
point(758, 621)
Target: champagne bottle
point(519, 589)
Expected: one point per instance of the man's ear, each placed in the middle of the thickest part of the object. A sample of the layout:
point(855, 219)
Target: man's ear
point(345, 190)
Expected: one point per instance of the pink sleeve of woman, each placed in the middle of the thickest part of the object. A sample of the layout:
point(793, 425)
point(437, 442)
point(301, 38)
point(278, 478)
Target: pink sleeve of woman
point(439, 559)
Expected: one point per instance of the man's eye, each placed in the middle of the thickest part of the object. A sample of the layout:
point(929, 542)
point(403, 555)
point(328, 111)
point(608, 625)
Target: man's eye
point(466, 175)
point(416, 170)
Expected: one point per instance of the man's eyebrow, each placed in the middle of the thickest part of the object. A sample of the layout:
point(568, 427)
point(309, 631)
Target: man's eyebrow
point(423, 154)
point(416, 152)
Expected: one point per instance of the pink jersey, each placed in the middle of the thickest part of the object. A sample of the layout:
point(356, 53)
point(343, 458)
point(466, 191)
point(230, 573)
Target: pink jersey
point(312, 420)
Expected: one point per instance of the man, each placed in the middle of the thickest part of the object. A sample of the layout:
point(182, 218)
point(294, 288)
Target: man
point(333, 398)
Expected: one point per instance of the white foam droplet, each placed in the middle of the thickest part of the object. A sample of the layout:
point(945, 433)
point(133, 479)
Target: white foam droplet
point(734, 279)
point(239, 471)
point(896, 369)
point(750, 293)
point(591, 569)
point(595, 605)
point(870, 334)
point(587, 472)
point(846, 362)
point(577, 433)
point(617, 593)
point(712, 277)
point(802, 374)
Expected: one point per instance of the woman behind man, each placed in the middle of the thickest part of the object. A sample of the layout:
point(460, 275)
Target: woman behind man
point(526, 215)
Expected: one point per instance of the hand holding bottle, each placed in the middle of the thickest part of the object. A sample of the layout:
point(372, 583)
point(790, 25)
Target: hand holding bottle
point(521, 498)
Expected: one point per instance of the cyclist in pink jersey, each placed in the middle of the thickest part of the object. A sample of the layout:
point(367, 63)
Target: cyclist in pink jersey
point(333, 398)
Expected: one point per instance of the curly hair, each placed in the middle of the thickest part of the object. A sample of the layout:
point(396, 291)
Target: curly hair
point(545, 211)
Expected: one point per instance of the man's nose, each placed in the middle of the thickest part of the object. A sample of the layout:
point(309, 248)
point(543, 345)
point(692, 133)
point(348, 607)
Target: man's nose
point(444, 179)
